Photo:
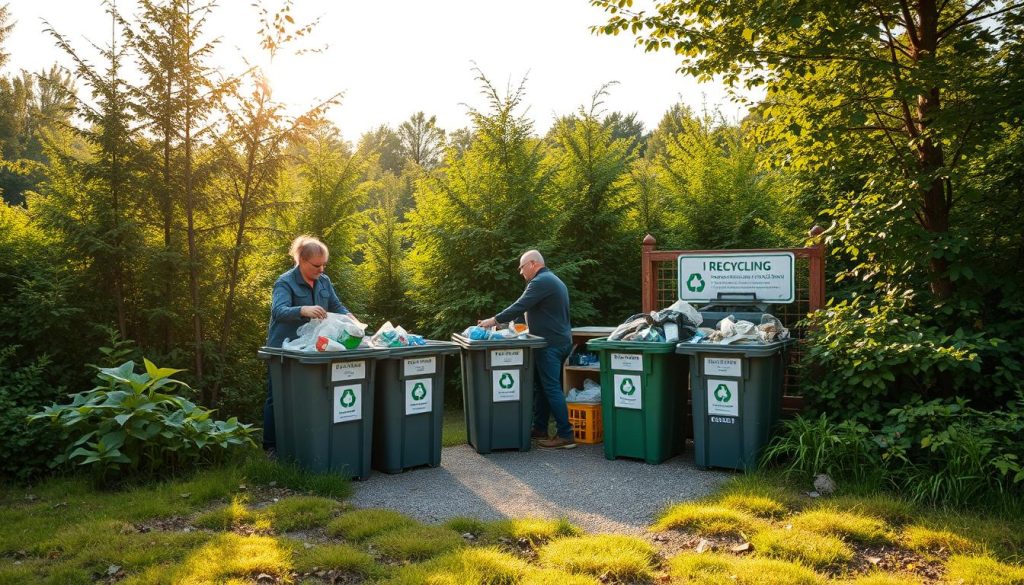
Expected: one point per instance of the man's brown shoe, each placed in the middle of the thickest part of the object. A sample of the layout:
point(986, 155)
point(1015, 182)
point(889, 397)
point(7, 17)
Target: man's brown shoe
point(557, 443)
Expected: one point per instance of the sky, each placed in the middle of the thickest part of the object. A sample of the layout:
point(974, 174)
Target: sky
point(393, 58)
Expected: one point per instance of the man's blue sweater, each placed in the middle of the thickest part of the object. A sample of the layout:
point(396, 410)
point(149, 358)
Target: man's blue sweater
point(545, 302)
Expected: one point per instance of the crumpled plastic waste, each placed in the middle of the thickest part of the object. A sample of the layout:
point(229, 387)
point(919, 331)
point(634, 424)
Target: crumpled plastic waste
point(591, 393)
point(733, 331)
point(513, 331)
point(337, 332)
point(679, 321)
point(390, 336)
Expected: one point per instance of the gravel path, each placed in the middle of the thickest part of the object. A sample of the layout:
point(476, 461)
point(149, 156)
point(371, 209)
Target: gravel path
point(598, 495)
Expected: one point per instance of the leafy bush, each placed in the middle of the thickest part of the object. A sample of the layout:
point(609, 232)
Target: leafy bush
point(26, 449)
point(871, 353)
point(130, 424)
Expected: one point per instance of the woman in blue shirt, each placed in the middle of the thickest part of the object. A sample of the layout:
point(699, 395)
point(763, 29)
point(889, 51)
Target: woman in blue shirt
point(300, 294)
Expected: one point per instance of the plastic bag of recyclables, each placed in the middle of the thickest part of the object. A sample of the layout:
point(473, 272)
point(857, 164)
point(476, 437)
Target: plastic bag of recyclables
point(390, 336)
point(337, 332)
point(730, 330)
point(679, 321)
point(513, 331)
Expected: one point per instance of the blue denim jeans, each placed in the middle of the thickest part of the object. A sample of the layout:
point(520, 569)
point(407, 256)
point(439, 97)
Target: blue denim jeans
point(548, 399)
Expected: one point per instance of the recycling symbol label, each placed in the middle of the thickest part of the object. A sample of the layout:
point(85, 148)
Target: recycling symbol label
point(722, 393)
point(695, 283)
point(505, 385)
point(348, 403)
point(627, 387)
point(417, 395)
point(348, 398)
point(628, 391)
point(722, 397)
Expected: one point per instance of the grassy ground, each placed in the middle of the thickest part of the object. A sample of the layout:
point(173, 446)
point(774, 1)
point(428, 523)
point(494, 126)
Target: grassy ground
point(261, 522)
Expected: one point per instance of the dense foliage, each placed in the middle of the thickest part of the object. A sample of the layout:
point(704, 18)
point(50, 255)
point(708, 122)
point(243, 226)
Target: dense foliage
point(140, 424)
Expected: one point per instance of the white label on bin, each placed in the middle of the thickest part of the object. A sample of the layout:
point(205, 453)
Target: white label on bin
point(629, 392)
point(722, 366)
point(348, 403)
point(628, 361)
point(506, 357)
point(505, 385)
point(419, 366)
point(723, 397)
point(418, 394)
point(344, 371)
point(724, 420)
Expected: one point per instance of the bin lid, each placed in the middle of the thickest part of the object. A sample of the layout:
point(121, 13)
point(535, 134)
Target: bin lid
point(433, 347)
point(743, 349)
point(531, 341)
point(602, 343)
point(324, 357)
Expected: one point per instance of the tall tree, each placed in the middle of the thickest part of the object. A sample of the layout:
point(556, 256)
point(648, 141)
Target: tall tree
point(897, 95)
point(589, 238)
point(473, 220)
point(422, 140)
point(387, 145)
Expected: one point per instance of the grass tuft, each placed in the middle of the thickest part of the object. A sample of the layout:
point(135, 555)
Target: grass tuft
point(230, 556)
point(886, 579)
point(846, 525)
point(556, 577)
point(416, 543)
point(260, 470)
point(759, 506)
point(480, 566)
point(362, 524)
point(464, 524)
point(927, 540)
point(335, 557)
point(619, 557)
point(892, 509)
point(815, 550)
point(979, 570)
point(228, 517)
point(717, 568)
point(300, 512)
point(709, 520)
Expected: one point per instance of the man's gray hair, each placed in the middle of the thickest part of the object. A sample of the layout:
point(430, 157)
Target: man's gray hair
point(532, 255)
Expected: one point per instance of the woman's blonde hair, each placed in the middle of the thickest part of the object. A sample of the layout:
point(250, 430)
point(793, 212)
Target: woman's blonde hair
point(305, 247)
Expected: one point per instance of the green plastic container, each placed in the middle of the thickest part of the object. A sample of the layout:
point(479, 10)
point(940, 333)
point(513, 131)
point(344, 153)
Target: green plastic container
point(737, 400)
point(409, 406)
point(497, 391)
point(323, 408)
point(643, 397)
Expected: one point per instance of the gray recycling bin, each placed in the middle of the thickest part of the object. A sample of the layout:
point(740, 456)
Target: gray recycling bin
point(409, 406)
point(497, 391)
point(736, 396)
point(323, 408)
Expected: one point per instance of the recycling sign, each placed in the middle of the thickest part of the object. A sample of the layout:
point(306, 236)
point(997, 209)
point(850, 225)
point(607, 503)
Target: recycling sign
point(505, 385)
point(418, 394)
point(348, 403)
point(767, 276)
point(723, 397)
point(695, 283)
point(628, 391)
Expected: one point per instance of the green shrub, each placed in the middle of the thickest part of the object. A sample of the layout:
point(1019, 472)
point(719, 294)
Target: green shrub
point(809, 446)
point(131, 425)
point(26, 450)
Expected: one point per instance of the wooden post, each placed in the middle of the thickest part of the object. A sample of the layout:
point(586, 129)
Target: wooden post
point(816, 288)
point(648, 288)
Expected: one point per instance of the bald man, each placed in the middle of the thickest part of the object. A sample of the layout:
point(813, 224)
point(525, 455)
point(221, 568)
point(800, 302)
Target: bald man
point(545, 303)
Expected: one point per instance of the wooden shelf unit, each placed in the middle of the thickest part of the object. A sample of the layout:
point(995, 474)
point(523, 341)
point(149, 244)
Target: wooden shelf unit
point(573, 376)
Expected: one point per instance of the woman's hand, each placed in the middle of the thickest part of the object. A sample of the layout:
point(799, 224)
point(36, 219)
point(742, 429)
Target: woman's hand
point(313, 312)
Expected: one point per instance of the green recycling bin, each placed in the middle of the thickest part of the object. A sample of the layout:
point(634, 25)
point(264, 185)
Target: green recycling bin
point(643, 396)
point(736, 398)
point(409, 406)
point(497, 391)
point(323, 408)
